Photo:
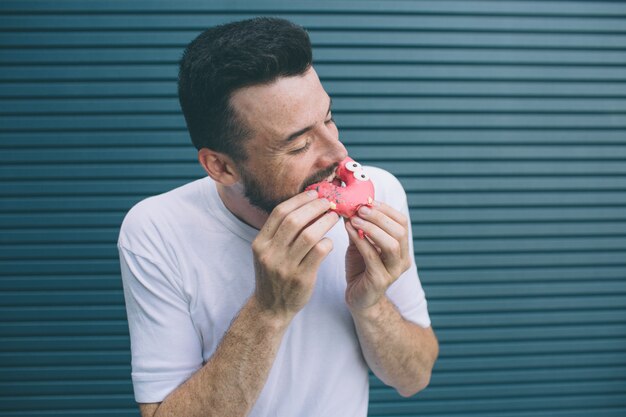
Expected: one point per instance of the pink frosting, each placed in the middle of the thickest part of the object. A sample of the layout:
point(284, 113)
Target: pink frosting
point(346, 200)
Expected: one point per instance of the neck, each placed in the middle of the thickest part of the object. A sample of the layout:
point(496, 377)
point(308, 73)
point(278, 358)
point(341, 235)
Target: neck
point(233, 198)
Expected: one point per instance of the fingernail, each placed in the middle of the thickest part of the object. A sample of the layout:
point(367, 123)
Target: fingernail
point(365, 210)
point(311, 193)
point(356, 221)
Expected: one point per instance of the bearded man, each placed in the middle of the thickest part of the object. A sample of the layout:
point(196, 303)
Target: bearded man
point(246, 294)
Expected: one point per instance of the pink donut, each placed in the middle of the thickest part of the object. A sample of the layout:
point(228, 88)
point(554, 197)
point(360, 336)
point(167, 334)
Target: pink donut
point(357, 190)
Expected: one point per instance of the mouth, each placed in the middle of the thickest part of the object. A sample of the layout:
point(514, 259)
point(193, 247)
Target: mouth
point(329, 176)
point(334, 179)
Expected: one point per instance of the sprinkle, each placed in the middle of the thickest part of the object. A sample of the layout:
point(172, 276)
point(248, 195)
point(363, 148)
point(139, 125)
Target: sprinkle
point(369, 200)
point(333, 206)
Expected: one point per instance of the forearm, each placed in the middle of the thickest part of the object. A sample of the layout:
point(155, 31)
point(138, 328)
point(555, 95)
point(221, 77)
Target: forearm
point(400, 353)
point(231, 381)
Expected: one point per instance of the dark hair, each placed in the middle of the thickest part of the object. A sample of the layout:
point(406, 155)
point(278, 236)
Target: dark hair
point(227, 57)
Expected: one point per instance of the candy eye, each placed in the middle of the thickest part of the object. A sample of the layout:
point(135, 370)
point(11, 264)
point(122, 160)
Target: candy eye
point(353, 166)
point(361, 176)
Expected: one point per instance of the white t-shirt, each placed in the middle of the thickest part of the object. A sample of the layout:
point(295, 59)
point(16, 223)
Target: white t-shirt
point(187, 270)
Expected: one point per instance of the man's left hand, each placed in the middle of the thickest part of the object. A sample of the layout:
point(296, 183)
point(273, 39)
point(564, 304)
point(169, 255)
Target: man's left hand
point(375, 262)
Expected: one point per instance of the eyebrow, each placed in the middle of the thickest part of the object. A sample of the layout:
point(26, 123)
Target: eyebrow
point(300, 132)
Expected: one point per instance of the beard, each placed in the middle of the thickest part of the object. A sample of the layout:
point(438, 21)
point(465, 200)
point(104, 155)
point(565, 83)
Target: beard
point(260, 196)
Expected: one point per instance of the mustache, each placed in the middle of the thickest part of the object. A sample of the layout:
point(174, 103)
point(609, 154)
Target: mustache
point(319, 176)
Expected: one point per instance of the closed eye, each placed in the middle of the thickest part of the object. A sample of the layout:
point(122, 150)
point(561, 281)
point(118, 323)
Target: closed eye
point(302, 149)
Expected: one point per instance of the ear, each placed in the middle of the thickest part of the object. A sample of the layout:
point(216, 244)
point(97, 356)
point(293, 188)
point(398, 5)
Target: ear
point(219, 166)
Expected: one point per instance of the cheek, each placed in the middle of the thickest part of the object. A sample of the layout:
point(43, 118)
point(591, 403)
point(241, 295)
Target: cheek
point(290, 179)
point(281, 180)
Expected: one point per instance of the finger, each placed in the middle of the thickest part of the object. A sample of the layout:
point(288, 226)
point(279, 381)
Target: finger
point(296, 221)
point(315, 256)
point(375, 234)
point(366, 249)
point(283, 209)
point(392, 213)
point(382, 219)
point(312, 235)
point(392, 251)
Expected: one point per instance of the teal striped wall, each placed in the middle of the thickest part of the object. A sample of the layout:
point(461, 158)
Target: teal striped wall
point(504, 120)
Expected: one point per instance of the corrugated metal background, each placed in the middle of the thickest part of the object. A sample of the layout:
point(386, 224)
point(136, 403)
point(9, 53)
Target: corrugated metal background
point(505, 121)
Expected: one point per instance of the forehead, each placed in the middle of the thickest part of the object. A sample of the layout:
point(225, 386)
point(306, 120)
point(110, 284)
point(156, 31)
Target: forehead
point(277, 109)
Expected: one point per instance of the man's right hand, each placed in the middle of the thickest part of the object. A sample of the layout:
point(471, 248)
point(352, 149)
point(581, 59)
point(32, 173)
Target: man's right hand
point(288, 252)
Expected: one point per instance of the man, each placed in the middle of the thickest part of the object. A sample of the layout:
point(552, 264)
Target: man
point(246, 295)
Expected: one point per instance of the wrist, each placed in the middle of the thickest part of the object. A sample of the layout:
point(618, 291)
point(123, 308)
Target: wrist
point(268, 317)
point(371, 313)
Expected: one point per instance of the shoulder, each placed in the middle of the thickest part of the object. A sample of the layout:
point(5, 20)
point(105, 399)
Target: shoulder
point(382, 177)
point(154, 216)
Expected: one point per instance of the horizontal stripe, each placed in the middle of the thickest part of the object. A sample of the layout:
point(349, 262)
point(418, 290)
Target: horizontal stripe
point(98, 88)
point(365, 6)
point(395, 21)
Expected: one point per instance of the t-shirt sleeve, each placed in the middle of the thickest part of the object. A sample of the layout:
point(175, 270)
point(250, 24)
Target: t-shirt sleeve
point(166, 349)
point(406, 293)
